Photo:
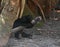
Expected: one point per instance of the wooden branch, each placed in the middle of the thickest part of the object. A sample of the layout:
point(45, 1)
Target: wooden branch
point(18, 12)
point(22, 7)
point(36, 2)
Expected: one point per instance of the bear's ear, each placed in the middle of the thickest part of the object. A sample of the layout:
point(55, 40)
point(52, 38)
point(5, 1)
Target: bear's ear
point(37, 19)
point(33, 21)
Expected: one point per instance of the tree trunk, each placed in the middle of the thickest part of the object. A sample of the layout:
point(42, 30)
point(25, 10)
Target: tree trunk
point(7, 17)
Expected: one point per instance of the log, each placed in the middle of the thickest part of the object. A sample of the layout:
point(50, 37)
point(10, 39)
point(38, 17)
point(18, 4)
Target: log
point(17, 29)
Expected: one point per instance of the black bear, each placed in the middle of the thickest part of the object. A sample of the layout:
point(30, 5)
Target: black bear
point(27, 22)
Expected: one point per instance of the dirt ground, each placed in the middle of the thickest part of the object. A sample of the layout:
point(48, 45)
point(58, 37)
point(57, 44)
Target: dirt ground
point(46, 36)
